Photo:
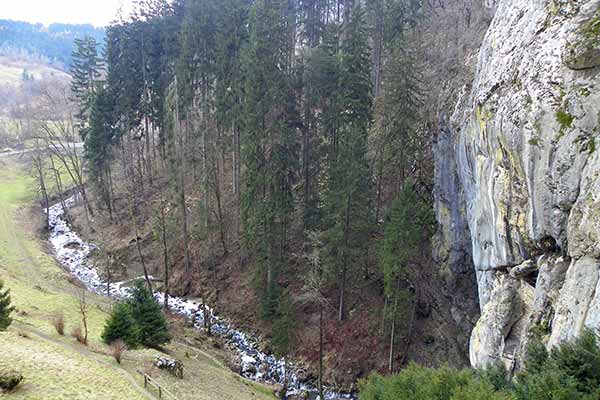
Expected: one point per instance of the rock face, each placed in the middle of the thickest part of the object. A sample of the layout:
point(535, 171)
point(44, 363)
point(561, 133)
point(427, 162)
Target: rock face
point(522, 157)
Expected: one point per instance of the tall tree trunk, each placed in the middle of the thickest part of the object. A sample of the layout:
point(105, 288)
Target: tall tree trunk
point(59, 185)
point(130, 199)
point(221, 222)
point(379, 184)
point(148, 152)
point(182, 202)
point(39, 166)
point(321, 350)
point(105, 182)
point(392, 336)
point(165, 252)
point(341, 308)
point(378, 45)
point(342, 311)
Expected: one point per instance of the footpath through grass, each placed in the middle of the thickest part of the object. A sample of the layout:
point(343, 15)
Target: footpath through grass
point(54, 367)
point(57, 367)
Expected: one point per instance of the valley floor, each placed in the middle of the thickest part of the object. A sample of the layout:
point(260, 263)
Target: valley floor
point(58, 367)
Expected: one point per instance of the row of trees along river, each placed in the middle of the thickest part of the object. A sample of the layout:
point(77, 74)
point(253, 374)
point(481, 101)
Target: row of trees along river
point(275, 133)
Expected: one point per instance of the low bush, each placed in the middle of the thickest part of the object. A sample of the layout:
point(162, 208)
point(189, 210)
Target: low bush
point(78, 334)
point(58, 321)
point(418, 383)
point(9, 380)
point(117, 348)
point(569, 372)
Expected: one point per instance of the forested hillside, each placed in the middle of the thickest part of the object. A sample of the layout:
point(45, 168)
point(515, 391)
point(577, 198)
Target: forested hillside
point(275, 158)
point(51, 44)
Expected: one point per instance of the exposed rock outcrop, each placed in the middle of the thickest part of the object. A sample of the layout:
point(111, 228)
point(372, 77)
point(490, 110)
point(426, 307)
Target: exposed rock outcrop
point(524, 145)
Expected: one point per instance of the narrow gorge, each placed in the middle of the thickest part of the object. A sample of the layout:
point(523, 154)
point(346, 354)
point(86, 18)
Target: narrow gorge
point(366, 199)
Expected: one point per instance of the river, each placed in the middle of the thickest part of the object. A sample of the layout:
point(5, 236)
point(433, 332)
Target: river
point(72, 252)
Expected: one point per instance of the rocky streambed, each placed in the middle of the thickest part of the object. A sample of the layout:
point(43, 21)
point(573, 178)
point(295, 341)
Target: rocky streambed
point(73, 253)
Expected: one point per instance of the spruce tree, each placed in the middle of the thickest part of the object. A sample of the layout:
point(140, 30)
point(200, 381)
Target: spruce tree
point(268, 150)
point(86, 71)
point(150, 322)
point(98, 141)
point(347, 194)
point(284, 326)
point(398, 136)
point(5, 308)
point(121, 325)
point(408, 224)
point(402, 235)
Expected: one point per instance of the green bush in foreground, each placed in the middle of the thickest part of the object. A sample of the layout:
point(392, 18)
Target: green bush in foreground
point(569, 372)
point(137, 321)
point(9, 380)
point(418, 383)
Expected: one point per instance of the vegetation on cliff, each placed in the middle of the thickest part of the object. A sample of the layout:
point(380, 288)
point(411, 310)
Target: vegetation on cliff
point(568, 372)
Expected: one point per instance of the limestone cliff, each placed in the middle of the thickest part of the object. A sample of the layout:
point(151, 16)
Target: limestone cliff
point(518, 175)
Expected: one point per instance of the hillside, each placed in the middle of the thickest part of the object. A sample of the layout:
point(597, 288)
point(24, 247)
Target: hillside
point(12, 70)
point(57, 367)
point(51, 45)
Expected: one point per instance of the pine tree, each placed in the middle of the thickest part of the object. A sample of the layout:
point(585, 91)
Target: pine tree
point(150, 322)
point(406, 227)
point(86, 71)
point(121, 325)
point(397, 133)
point(284, 326)
point(5, 308)
point(347, 195)
point(98, 141)
point(269, 154)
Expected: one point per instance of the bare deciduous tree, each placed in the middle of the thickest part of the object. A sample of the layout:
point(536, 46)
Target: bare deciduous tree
point(83, 308)
point(117, 348)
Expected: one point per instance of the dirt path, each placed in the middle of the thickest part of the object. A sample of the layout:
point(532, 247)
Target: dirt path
point(87, 353)
point(24, 268)
point(57, 367)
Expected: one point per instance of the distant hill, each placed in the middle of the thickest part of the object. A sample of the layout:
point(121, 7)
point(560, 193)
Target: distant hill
point(51, 45)
point(14, 70)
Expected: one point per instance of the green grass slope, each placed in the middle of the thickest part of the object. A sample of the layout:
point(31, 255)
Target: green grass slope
point(58, 367)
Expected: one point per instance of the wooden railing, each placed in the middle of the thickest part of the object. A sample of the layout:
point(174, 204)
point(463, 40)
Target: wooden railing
point(148, 380)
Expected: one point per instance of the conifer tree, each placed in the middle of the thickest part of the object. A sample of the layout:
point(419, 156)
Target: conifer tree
point(5, 308)
point(150, 322)
point(231, 39)
point(407, 225)
point(283, 331)
point(121, 325)
point(283, 327)
point(397, 134)
point(347, 197)
point(268, 149)
point(98, 141)
point(86, 71)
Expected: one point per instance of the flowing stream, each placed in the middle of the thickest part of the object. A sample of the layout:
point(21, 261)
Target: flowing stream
point(72, 252)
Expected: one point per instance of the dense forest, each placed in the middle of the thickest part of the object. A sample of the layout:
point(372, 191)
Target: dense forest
point(281, 144)
point(54, 43)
